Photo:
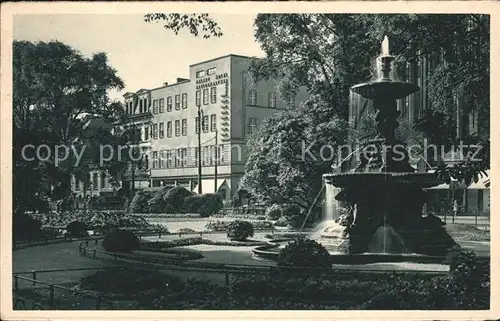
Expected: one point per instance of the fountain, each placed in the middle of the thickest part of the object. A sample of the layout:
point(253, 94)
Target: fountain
point(381, 199)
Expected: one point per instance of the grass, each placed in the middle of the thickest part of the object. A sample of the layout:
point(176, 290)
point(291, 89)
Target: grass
point(467, 232)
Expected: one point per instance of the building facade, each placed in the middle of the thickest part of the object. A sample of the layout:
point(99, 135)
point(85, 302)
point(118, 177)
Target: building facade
point(231, 105)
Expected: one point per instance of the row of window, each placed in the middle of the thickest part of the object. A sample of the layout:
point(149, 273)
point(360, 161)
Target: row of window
point(180, 127)
point(210, 156)
point(142, 103)
point(181, 101)
point(203, 73)
point(212, 94)
point(271, 99)
point(205, 96)
point(92, 180)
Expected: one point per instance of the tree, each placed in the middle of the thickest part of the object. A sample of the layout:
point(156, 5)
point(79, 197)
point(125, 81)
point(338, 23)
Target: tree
point(54, 87)
point(291, 151)
point(326, 53)
point(196, 23)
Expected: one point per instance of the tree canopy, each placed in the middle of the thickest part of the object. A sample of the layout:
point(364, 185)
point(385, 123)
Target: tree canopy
point(55, 88)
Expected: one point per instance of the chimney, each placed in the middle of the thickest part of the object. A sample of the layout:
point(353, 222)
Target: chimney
point(165, 84)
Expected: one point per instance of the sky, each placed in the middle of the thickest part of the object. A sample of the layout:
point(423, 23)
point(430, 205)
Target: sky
point(145, 55)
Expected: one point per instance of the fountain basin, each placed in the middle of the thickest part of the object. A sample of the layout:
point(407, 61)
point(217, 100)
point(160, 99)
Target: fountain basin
point(422, 180)
point(272, 250)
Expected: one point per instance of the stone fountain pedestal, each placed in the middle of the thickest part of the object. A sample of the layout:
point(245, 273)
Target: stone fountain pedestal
point(393, 201)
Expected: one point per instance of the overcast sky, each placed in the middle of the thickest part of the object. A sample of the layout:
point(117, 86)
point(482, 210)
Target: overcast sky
point(145, 54)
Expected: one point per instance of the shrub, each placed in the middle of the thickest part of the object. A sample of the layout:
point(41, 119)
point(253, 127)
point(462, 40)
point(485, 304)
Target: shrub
point(25, 227)
point(304, 253)
point(273, 212)
point(77, 229)
point(107, 202)
point(157, 203)
point(139, 203)
point(291, 210)
point(283, 221)
point(239, 230)
point(175, 196)
point(205, 204)
point(120, 241)
point(129, 282)
point(186, 231)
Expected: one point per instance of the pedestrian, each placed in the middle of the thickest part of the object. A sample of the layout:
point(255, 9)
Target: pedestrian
point(455, 210)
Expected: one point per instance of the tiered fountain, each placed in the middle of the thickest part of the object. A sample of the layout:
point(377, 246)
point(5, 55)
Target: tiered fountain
point(384, 219)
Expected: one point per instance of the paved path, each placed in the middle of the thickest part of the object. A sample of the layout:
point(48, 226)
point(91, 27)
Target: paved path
point(54, 256)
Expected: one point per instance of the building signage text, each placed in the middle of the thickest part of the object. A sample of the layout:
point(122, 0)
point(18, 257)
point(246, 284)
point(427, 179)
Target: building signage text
point(210, 81)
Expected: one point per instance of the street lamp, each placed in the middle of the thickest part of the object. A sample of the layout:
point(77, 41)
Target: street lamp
point(200, 121)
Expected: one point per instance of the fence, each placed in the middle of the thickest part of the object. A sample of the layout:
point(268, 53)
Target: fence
point(477, 220)
point(32, 294)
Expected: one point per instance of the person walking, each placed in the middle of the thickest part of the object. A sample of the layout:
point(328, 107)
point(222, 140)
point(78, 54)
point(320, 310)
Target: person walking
point(455, 210)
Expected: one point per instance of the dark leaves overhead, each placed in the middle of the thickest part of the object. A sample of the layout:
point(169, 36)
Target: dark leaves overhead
point(196, 24)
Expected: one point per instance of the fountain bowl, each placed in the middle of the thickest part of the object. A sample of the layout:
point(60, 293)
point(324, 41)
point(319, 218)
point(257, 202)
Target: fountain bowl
point(385, 89)
point(423, 180)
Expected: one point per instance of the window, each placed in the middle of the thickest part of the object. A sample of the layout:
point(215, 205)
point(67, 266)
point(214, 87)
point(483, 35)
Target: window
point(252, 124)
point(205, 96)
point(161, 106)
point(140, 106)
point(213, 122)
point(162, 130)
point(253, 98)
point(169, 158)
point(169, 103)
point(161, 160)
point(200, 73)
point(146, 162)
point(77, 184)
point(291, 102)
point(198, 98)
point(177, 128)
point(147, 105)
point(197, 125)
point(177, 158)
point(196, 158)
point(205, 124)
point(177, 102)
point(211, 71)
point(146, 133)
point(155, 131)
point(94, 181)
point(183, 157)
point(155, 106)
point(155, 159)
point(184, 127)
point(220, 154)
point(272, 100)
point(169, 129)
point(213, 95)
point(205, 155)
point(184, 101)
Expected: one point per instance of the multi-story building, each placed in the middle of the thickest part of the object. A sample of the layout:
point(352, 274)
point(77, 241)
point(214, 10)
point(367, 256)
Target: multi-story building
point(231, 105)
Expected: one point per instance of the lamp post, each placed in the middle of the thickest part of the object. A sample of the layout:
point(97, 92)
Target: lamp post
point(200, 120)
point(216, 160)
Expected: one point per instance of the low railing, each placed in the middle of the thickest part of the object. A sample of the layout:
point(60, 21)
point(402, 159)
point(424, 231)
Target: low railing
point(20, 302)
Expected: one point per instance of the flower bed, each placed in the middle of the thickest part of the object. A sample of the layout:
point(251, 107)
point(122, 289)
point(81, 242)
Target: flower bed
point(222, 226)
point(98, 220)
point(196, 241)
